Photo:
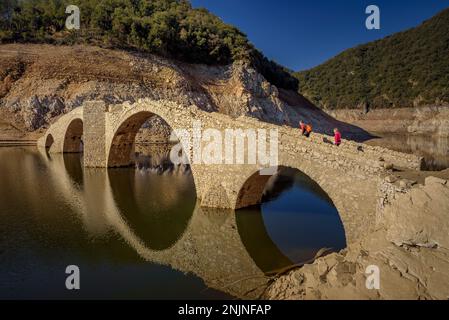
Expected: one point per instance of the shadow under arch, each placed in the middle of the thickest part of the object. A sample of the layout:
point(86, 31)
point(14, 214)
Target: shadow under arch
point(258, 243)
point(73, 163)
point(307, 209)
point(49, 140)
point(49, 143)
point(158, 219)
point(73, 142)
point(255, 189)
point(121, 148)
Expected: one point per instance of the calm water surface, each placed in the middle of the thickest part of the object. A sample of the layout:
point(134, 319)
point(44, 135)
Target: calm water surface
point(139, 233)
point(435, 150)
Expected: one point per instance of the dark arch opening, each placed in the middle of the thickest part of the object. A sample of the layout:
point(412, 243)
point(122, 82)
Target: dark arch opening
point(121, 153)
point(258, 188)
point(136, 136)
point(75, 169)
point(290, 220)
point(73, 139)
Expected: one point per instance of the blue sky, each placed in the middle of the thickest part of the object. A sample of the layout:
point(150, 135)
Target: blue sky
point(302, 34)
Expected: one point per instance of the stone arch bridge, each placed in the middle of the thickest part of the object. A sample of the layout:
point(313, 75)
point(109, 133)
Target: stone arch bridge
point(349, 174)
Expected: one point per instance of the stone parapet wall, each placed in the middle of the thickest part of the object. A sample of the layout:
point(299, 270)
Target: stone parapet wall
point(348, 149)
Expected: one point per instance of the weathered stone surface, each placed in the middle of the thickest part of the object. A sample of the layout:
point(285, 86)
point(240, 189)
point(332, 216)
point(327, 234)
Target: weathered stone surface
point(421, 216)
point(435, 180)
point(391, 179)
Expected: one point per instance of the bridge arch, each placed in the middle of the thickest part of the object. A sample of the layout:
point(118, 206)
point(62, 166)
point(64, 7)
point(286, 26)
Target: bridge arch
point(123, 140)
point(252, 191)
point(73, 138)
point(318, 222)
point(350, 197)
point(125, 122)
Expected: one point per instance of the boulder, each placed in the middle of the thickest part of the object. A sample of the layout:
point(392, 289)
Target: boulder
point(391, 179)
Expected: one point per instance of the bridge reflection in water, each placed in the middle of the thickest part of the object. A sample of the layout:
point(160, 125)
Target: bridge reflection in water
point(158, 217)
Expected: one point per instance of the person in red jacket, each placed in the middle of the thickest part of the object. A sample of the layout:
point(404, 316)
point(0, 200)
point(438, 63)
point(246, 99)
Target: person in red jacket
point(302, 127)
point(337, 137)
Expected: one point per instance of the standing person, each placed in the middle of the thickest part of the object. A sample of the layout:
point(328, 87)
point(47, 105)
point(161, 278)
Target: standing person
point(337, 137)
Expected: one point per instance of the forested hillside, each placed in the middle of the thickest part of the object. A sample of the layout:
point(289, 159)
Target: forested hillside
point(407, 69)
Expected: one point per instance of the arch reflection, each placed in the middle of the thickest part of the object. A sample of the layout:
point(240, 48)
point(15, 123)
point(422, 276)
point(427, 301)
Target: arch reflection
point(73, 163)
point(159, 219)
point(295, 220)
point(156, 207)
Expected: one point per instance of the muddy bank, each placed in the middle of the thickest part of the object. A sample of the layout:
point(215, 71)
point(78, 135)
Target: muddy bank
point(410, 248)
point(431, 120)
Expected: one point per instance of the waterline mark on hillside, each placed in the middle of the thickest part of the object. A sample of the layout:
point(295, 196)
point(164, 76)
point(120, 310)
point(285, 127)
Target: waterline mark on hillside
point(226, 147)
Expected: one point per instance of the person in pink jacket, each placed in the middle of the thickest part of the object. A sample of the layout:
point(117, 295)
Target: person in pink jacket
point(337, 137)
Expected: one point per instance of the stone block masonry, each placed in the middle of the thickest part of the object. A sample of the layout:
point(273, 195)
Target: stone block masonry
point(94, 115)
point(349, 174)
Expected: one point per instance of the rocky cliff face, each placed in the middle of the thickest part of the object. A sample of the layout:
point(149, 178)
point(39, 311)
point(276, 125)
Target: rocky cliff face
point(40, 82)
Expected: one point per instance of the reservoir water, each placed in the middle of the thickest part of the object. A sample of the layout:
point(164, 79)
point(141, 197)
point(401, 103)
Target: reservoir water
point(139, 233)
point(434, 150)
